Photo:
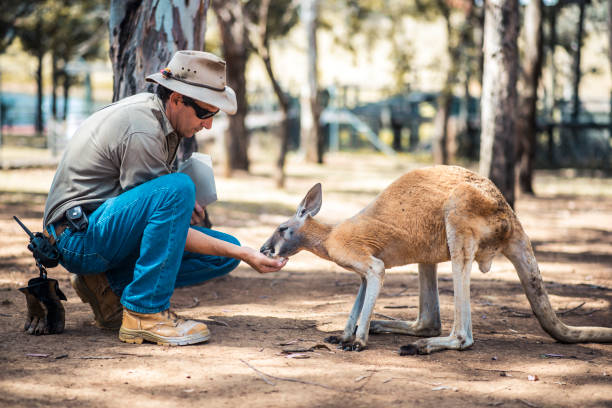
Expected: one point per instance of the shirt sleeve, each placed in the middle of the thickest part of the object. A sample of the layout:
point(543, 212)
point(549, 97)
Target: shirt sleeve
point(143, 159)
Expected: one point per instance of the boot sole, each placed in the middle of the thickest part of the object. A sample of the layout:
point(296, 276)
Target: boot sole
point(87, 296)
point(138, 336)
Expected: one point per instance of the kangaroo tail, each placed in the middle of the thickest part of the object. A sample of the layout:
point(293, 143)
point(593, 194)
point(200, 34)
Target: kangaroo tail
point(520, 253)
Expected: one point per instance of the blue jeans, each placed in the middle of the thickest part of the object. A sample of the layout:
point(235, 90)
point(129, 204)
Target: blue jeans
point(138, 239)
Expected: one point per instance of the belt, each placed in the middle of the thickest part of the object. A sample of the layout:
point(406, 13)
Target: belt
point(59, 226)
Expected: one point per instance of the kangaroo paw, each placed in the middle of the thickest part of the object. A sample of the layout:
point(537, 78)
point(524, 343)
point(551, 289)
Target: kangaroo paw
point(353, 346)
point(408, 350)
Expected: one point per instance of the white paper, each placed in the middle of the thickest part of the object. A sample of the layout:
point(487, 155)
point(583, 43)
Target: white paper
point(199, 168)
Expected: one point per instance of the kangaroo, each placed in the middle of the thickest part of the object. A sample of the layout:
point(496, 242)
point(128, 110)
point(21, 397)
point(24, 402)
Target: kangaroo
point(427, 216)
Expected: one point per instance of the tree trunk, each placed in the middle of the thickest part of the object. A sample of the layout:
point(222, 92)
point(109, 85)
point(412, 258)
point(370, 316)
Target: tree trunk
point(231, 19)
point(144, 34)
point(526, 126)
point(610, 56)
point(283, 102)
point(576, 81)
point(552, 14)
point(498, 102)
point(440, 137)
point(39, 80)
point(54, 77)
point(67, 83)
point(445, 143)
point(311, 137)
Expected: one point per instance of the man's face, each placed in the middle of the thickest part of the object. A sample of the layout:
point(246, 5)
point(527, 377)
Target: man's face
point(184, 118)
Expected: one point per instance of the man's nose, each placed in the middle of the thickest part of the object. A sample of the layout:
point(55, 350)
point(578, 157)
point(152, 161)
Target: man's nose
point(207, 123)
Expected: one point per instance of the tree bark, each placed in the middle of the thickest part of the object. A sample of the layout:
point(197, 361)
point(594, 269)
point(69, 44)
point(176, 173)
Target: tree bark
point(39, 125)
point(311, 139)
point(231, 18)
point(261, 44)
point(498, 102)
point(144, 34)
point(526, 126)
point(445, 144)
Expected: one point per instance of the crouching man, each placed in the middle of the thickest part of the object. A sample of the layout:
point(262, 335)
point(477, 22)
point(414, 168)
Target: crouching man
point(121, 218)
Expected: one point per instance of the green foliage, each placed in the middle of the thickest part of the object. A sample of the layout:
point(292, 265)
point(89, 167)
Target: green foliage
point(12, 11)
point(67, 28)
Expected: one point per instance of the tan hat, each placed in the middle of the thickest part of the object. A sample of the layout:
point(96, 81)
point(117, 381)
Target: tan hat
point(199, 75)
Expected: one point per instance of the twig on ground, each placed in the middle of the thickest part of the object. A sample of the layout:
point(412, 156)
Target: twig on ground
point(588, 312)
point(364, 377)
point(515, 313)
point(529, 404)
point(259, 373)
point(571, 310)
point(218, 322)
point(97, 357)
point(385, 316)
point(263, 376)
point(400, 293)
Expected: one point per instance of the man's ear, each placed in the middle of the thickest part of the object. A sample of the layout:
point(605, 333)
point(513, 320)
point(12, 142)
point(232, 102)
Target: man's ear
point(174, 98)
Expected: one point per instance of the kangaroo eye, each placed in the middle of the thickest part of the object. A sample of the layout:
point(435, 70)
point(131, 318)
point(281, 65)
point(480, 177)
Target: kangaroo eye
point(282, 229)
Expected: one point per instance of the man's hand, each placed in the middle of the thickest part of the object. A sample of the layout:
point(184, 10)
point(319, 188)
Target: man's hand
point(262, 263)
point(197, 216)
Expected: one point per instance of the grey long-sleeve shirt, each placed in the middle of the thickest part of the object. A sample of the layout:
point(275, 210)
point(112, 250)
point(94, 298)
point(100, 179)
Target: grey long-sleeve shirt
point(117, 148)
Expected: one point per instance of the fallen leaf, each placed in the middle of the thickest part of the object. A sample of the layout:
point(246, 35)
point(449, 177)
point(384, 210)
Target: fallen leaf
point(297, 356)
point(361, 378)
point(551, 355)
point(532, 377)
point(288, 343)
point(38, 355)
point(443, 387)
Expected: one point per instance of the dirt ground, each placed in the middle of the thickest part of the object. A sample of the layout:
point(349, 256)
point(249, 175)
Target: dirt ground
point(267, 348)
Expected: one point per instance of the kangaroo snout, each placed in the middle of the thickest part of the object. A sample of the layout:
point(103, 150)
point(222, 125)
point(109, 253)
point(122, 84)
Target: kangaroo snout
point(267, 249)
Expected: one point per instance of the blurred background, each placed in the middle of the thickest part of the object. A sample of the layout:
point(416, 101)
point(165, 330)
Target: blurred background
point(402, 78)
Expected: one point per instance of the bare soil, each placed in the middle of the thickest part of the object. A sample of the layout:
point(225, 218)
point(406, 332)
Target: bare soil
point(267, 348)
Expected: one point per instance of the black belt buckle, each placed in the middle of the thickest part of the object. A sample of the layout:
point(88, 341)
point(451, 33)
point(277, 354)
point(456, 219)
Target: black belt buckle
point(76, 218)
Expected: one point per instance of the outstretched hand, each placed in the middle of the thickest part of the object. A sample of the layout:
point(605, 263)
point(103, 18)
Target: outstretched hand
point(262, 263)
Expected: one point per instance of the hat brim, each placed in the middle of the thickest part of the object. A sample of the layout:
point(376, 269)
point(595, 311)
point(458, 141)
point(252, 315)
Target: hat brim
point(224, 100)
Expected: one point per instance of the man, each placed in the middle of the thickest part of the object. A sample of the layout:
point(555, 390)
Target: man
point(121, 218)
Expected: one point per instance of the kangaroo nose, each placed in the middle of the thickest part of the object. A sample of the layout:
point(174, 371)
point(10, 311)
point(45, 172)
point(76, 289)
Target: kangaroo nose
point(267, 250)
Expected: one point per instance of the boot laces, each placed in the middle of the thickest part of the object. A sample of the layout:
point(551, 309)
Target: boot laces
point(172, 316)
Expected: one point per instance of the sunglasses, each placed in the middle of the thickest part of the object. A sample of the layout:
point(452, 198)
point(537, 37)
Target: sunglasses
point(200, 112)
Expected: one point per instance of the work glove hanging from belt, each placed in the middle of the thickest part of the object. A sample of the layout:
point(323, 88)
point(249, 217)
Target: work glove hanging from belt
point(46, 313)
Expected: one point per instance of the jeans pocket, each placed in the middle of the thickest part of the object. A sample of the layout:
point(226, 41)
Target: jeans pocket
point(77, 258)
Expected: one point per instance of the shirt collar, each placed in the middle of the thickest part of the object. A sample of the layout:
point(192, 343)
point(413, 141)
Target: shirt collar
point(164, 122)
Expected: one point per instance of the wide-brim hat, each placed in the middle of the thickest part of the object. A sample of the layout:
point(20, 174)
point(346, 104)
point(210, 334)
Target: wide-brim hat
point(198, 75)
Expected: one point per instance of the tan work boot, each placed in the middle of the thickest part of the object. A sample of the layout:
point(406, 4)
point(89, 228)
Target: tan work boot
point(95, 290)
point(164, 328)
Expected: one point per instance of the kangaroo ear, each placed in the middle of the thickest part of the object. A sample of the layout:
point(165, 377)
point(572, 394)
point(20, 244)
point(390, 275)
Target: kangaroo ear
point(311, 204)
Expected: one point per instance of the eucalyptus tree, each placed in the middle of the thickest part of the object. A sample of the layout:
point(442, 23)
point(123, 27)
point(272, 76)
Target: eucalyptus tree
point(268, 20)
point(499, 97)
point(144, 34)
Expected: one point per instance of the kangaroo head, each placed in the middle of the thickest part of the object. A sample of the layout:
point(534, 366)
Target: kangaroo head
point(288, 238)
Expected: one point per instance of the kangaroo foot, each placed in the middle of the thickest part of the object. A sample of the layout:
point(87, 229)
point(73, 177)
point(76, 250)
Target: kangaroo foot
point(431, 345)
point(415, 328)
point(350, 345)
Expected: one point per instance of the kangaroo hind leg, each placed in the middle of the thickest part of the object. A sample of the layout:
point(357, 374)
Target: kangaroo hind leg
point(428, 321)
point(462, 245)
